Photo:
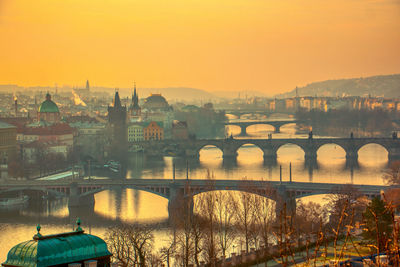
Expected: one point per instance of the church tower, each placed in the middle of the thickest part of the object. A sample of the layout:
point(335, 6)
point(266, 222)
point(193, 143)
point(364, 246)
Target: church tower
point(134, 109)
point(117, 126)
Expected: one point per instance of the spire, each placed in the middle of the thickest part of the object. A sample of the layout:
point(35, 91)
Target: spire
point(134, 93)
point(134, 90)
point(135, 98)
point(117, 101)
point(87, 85)
point(48, 96)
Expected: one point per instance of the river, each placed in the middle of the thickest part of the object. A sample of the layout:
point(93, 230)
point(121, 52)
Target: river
point(129, 205)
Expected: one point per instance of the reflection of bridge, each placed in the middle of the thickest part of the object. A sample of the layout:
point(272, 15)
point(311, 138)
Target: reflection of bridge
point(277, 124)
point(310, 146)
point(80, 191)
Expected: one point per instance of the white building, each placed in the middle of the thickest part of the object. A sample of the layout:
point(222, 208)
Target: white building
point(135, 132)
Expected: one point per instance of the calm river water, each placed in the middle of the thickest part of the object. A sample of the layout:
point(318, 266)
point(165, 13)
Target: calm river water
point(129, 205)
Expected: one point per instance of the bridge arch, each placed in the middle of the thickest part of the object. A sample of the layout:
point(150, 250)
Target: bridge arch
point(250, 145)
point(339, 151)
point(233, 129)
point(232, 115)
point(248, 127)
point(282, 153)
point(378, 146)
point(208, 146)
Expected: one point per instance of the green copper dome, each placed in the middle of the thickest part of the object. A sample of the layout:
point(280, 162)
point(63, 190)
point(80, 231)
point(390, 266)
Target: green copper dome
point(58, 249)
point(48, 105)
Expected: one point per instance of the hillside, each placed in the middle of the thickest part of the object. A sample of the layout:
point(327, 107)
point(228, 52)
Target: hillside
point(383, 85)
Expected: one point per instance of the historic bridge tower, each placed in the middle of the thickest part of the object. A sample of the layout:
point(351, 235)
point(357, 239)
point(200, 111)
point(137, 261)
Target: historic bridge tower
point(117, 127)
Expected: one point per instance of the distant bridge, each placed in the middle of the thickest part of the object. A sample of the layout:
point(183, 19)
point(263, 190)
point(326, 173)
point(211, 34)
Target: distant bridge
point(80, 191)
point(310, 146)
point(277, 124)
point(260, 111)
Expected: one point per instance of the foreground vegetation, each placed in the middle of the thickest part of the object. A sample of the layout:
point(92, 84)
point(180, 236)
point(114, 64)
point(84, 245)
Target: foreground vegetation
point(348, 226)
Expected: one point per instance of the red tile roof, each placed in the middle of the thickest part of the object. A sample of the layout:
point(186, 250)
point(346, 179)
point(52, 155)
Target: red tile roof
point(55, 129)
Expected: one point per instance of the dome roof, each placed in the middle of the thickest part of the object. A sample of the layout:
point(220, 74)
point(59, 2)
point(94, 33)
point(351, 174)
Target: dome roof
point(56, 250)
point(48, 105)
point(156, 101)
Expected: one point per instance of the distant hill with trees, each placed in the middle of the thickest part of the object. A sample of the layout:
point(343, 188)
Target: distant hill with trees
point(382, 85)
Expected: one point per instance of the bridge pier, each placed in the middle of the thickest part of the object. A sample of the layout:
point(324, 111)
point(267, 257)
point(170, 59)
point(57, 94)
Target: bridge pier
point(277, 129)
point(229, 153)
point(76, 200)
point(285, 202)
point(394, 153)
point(310, 155)
point(270, 155)
point(243, 130)
point(351, 156)
point(180, 206)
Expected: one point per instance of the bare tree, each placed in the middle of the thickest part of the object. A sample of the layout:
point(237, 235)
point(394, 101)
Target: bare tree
point(183, 221)
point(130, 244)
point(349, 198)
point(264, 215)
point(245, 218)
point(118, 244)
point(167, 252)
point(309, 217)
point(207, 205)
point(225, 212)
point(392, 174)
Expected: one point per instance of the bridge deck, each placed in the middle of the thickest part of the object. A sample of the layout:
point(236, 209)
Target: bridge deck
point(184, 182)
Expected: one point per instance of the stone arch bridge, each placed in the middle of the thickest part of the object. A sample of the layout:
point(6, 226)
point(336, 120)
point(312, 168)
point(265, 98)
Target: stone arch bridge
point(277, 124)
point(80, 192)
point(310, 146)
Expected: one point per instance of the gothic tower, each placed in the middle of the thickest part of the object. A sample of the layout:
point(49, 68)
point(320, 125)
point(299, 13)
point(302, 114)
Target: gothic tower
point(134, 109)
point(117, 127)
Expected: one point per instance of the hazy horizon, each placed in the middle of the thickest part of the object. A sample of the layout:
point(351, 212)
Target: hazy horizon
point(268, 46)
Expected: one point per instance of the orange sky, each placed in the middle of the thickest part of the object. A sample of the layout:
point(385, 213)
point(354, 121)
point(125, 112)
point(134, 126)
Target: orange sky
point(265, 45)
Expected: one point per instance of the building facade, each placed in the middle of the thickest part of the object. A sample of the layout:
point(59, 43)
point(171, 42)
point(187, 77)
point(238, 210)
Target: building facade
point(8, 142)
point(135, 132)
point(180, 130)
point(153, 131)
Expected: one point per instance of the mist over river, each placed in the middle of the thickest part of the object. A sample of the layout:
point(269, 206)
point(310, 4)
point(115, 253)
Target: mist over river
point(128, 205)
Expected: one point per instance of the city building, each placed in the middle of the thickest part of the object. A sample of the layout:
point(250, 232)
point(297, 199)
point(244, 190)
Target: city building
point(135, 132)
point(48, 111)
point(56, 138)
point(62, 250)
point(156, 108)
point(153, 131)
point(89, 138)
point(134, 111)
point(180, 130)
point(8, 144)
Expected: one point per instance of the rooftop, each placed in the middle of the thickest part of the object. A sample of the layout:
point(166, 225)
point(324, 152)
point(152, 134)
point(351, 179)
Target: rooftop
point(50, 250)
